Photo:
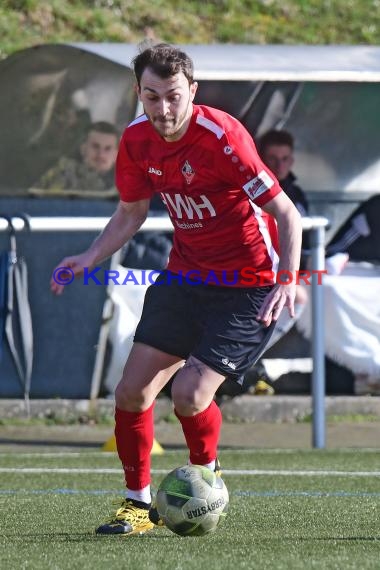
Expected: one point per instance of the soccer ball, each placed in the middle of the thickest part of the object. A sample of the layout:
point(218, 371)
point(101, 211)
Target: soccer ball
point(192, 500)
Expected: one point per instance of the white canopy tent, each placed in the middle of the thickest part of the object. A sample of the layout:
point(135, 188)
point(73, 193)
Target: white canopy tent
point(242, 62)
point(327, 96)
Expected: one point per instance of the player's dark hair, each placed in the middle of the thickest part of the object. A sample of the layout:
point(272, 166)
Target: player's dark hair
point(103, 127)
point(275, 137)
point(165, 61)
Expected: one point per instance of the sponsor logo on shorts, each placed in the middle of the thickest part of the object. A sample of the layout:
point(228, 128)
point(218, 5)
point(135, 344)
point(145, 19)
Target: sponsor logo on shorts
point(228, 363)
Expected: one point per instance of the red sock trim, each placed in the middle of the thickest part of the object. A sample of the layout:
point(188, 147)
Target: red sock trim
point(134, 433)
point(202, 433)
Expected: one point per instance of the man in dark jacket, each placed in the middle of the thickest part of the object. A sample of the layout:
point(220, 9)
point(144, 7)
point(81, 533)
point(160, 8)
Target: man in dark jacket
point(359, 235)
point(277, 151)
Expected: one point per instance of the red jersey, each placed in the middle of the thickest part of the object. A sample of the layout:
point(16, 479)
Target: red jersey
point(213, 184)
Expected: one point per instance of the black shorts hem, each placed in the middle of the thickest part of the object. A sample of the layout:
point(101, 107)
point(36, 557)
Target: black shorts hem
point(236, 377)
point(158, 346)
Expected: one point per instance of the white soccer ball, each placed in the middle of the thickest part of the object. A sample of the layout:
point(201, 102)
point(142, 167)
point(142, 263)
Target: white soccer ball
point(192, 500)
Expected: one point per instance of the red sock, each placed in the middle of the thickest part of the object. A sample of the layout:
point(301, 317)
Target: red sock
point(134, 441)
point(202, 434)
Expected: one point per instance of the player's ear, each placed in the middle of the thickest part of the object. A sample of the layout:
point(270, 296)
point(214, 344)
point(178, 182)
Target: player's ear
point(193, 89)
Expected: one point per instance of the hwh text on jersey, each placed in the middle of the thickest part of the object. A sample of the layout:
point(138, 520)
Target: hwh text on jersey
point(179, 204)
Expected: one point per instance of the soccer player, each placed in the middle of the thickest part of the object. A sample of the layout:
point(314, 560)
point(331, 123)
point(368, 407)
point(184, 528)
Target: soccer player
point(210, 314)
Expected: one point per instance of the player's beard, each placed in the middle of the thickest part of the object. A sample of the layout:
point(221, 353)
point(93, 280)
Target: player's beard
point(169, 127)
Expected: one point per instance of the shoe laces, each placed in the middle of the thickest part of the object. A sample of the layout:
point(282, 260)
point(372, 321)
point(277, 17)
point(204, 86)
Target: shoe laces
point(126, 510)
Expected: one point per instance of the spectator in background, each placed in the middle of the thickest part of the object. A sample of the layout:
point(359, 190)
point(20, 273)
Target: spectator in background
point(277, 151)
point(357, 239)
point(90, 173)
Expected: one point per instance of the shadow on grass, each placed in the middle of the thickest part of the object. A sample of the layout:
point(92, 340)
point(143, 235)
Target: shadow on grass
point(161, 534)
point(85, 536)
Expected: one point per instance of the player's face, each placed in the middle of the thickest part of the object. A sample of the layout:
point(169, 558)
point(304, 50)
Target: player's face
point(279, 158)
point(167, 103)
point(99, 151)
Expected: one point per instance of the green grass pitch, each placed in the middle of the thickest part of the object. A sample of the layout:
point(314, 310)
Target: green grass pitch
point(289, 509)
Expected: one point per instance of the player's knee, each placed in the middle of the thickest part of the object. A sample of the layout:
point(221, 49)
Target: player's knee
point(128, 399)
point(186, 402)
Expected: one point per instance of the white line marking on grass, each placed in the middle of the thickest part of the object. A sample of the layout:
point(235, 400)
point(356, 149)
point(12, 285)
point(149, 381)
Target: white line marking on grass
point(242, 493)
point(298, 473)
point(304, 494)
point(59, 470)
point(234, 472)
point(40, 454)
point(253, 450)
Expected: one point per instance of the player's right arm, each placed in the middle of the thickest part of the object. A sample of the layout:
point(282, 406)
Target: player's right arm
point(125, 222)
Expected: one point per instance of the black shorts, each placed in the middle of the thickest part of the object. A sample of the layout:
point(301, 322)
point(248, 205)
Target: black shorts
point(217, 325)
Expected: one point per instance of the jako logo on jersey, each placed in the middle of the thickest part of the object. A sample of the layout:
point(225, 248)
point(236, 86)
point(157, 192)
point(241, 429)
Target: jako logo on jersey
point(152, 170)
point(179, 204)
point(188, 172)
point(257, 186)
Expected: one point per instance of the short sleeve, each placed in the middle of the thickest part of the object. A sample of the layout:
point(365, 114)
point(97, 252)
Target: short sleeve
point(245, 169)
point(131, 181)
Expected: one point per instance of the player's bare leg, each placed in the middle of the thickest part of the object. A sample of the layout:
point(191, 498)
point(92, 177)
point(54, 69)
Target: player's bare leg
point(193, 393)
point(145, 374)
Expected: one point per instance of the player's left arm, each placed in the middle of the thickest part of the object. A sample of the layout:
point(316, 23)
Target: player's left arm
point(290, 236)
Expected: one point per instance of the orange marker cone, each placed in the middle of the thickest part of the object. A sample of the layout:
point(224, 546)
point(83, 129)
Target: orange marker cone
point(110, 445)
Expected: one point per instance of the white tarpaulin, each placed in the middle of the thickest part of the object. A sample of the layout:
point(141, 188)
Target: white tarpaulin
point(352, 318)
point(128, 302)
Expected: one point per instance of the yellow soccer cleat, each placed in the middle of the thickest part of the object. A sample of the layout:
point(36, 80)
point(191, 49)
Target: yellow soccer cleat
point(130, 518)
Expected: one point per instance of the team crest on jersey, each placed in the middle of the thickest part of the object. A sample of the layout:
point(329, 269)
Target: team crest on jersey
point(188, 172)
